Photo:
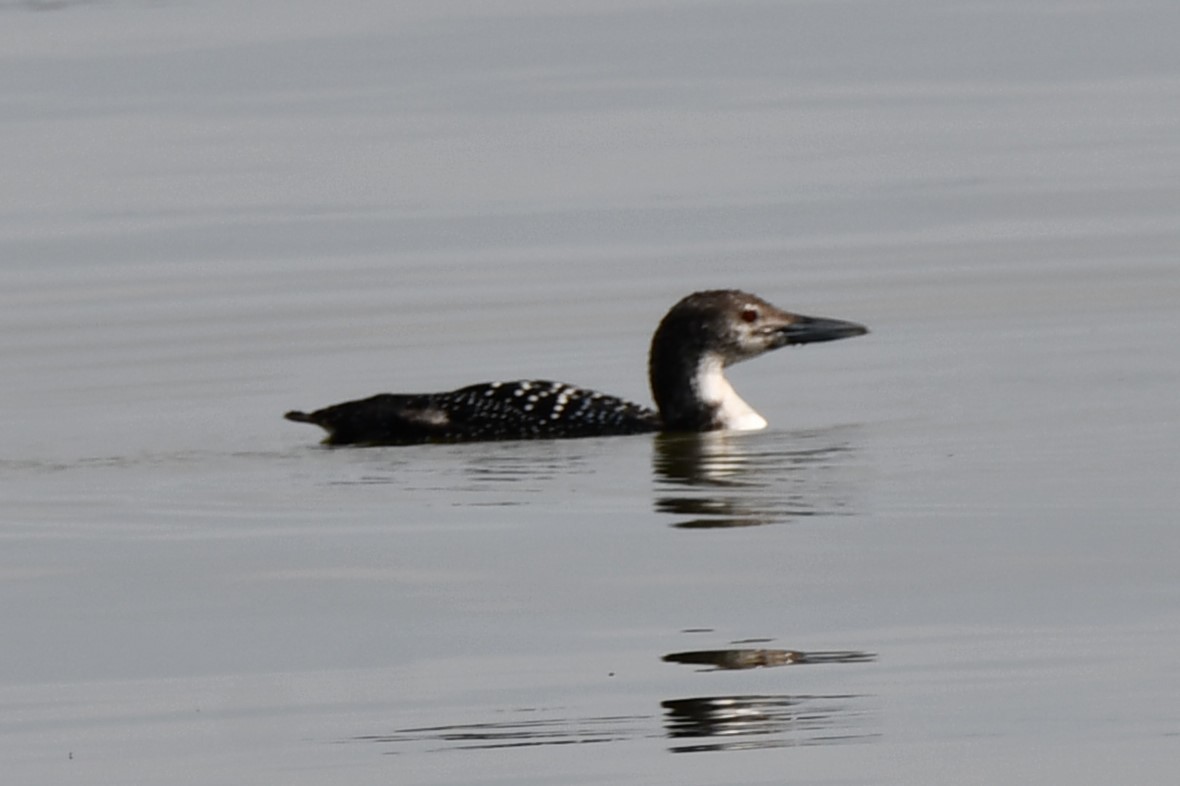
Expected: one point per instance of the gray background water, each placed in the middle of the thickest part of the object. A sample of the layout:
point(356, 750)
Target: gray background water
point(214, 212)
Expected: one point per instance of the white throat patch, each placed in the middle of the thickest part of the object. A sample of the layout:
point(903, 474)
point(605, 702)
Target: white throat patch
point(714, 389)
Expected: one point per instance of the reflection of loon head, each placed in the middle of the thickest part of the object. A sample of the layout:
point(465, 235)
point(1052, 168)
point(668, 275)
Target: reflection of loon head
point(707, 331)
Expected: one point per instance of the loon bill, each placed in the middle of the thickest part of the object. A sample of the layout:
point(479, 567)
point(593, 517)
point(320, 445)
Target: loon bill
point(695, 341)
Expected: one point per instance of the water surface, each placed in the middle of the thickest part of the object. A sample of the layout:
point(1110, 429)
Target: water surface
point(951, 558)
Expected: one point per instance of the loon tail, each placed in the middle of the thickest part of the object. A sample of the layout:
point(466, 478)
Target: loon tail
point(299, 417)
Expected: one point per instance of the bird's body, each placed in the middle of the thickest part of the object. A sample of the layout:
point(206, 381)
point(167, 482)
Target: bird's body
point(697, 339)
point(526, 409)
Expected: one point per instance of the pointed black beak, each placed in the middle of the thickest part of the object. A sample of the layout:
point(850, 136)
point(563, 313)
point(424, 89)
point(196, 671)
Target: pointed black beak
point(809, 330)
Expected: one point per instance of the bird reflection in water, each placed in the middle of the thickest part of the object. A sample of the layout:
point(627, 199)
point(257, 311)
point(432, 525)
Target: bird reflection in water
point(739, 722)
point(733, 723)
point(730, 659)
point(777, 721)
point(725, 479)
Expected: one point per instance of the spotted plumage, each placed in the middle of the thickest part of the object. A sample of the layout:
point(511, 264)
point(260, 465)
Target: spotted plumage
point(697, 339)
point(525, 409)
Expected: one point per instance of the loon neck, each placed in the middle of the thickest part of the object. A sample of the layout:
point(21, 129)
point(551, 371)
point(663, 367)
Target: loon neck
point(693, 394)
point(730, 411)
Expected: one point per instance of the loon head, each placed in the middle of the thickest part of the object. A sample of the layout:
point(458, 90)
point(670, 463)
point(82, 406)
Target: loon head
point(707, 331)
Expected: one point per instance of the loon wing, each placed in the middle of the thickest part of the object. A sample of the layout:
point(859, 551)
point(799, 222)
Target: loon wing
point(524, 409)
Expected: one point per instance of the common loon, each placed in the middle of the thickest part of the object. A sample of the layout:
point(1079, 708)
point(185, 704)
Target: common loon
point(696, 340)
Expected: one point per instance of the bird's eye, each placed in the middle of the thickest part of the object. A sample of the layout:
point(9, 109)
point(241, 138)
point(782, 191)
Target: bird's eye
point(749, 314)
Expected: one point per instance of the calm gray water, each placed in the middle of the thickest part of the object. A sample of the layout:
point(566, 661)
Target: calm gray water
point(950, 559)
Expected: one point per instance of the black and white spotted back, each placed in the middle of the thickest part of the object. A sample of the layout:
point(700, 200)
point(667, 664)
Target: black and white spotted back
point(524, 409)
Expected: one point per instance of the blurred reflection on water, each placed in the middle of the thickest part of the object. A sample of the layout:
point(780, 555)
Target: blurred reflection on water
point(739, 480)
point(739, 722)
point(713, 723)
point(731, 659)
point(732, 723)
point(524, 728)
